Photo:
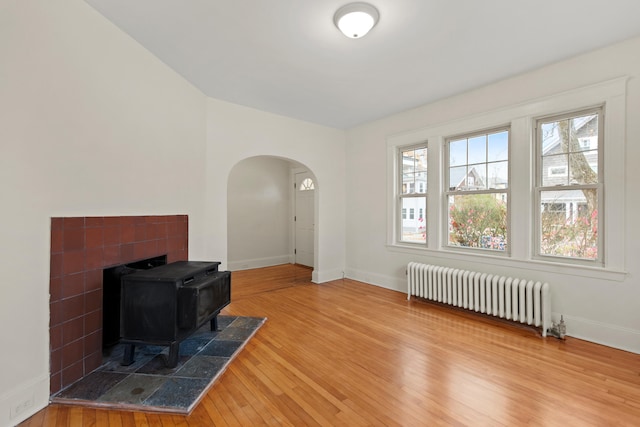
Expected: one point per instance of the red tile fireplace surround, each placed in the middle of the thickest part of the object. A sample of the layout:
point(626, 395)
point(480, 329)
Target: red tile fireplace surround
point(81, 247)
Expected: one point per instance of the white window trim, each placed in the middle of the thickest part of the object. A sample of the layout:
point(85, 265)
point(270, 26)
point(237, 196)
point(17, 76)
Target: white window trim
point(611, 94)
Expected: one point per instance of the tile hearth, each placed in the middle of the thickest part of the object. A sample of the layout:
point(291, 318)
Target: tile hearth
point(148, 385)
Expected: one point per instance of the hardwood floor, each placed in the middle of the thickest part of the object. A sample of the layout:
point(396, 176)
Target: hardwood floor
point(346, 353)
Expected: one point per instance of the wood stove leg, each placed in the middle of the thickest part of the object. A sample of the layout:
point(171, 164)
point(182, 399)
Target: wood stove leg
point(174, 354)
point(129, 352)
point(214, 324)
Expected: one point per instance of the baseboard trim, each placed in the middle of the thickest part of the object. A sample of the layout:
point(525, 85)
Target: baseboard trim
point(602, 333)
point(248, 264)
point(326, 275)
point(380, 280)
point(24, 400)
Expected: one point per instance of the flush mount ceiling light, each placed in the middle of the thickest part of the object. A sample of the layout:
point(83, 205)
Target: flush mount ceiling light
point(356, 19)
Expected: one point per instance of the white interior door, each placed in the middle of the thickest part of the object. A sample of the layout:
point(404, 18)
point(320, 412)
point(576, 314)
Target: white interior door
point(304, 218)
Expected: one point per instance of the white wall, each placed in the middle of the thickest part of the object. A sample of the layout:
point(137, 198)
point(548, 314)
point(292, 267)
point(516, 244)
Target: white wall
point(235, 133)
point(603, 310)
point(91, 124)
point(259, 213)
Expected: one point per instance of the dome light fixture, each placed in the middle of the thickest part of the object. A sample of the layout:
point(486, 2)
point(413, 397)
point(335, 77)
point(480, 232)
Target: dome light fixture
point(356, 19)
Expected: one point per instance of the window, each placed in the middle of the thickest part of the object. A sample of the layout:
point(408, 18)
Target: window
point(477, 185)
point(570, 214)
point(589, 142)
point(542, 197)
point(307, 184)
point(413, 187)
point(557, 171)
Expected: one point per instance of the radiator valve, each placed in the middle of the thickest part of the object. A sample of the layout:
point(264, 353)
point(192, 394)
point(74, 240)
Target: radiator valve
point(558, 330)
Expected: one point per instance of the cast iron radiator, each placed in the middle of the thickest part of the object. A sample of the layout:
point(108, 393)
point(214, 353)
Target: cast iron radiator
point(515, 299)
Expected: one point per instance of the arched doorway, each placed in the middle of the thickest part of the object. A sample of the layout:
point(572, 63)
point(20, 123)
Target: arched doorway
point(265, 205)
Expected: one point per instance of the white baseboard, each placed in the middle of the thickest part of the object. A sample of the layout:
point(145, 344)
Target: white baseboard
point(23, 401)
point(248, 264)
point(387, 282)
point(326, 275)
point(602, 333)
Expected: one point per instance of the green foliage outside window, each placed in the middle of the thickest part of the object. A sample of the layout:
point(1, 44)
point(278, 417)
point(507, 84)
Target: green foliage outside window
point(478, 221)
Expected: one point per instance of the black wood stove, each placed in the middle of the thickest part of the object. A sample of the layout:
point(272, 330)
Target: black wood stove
point(166, 304)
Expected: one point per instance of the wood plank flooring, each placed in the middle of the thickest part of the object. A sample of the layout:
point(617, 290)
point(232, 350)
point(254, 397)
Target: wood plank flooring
point(346, 353)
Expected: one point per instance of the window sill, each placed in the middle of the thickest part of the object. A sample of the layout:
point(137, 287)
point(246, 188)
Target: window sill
point(601, 273)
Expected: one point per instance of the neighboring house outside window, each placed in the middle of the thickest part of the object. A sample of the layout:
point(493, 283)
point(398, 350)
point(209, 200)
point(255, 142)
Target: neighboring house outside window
point(477, 177)
point(413, 179)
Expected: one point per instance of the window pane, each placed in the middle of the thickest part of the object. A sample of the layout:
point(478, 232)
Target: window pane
point(307, 185)
point(480, 173)
point(584, 130)
point(414, 227)
point(457, 179)
point(555, 170)
point(478, 149)
point(498, 146)
point(458, 152)
point(408, 165)
point(549, 134)
point(583, 167)
point(498, 175)
point(478, 221)
point(414, 168)
point(569, 223)
point(477, 177)
point(408, 161)
point(421, 160)
point(577, 137)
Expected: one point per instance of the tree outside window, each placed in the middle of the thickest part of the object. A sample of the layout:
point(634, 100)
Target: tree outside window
point(570, 211)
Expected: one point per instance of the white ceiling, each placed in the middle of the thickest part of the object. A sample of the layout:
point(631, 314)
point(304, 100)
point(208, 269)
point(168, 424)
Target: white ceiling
point(288, 58)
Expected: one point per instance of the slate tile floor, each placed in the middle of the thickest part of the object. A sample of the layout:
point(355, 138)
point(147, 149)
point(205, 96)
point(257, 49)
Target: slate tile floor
point(149, 385)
